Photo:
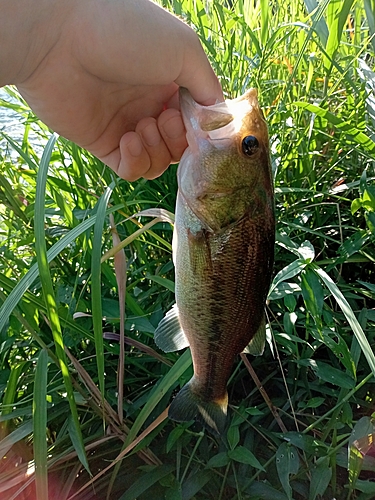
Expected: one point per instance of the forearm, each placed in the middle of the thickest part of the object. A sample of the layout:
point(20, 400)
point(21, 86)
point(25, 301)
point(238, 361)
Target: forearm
point(28, 31)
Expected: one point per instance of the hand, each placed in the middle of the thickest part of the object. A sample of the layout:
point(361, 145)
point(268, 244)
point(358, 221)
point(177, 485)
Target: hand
point(108, 80)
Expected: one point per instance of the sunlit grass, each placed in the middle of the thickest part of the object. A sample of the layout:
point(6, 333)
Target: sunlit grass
point(308, 434)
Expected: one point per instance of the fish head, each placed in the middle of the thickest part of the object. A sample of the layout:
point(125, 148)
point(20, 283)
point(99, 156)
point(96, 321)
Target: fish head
point(225, 172)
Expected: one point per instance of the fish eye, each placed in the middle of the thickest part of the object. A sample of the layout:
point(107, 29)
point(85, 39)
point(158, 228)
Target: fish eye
point(250, 145)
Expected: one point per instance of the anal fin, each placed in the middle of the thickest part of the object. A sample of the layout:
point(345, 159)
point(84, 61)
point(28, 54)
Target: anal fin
point(257, 343)
point(169, 335)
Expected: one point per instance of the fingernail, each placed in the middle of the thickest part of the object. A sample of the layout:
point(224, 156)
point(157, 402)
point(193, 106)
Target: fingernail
point(151, 135)
point(174, 127)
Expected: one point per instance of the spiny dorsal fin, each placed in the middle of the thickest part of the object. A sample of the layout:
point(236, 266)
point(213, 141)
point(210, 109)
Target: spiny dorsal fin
point(169, 335)
point(257, 343)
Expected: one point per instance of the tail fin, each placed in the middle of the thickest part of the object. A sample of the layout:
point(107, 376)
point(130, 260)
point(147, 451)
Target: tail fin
point(188, 405)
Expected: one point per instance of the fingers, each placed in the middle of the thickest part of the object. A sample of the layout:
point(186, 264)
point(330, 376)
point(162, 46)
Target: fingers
point(132, 160)
point(173, 133)
point(148, 151)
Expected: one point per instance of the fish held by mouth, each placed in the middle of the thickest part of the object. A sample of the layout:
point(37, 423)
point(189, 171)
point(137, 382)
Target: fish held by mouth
point(223, 250)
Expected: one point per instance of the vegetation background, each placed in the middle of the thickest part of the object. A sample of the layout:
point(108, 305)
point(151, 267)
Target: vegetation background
point(81, 418)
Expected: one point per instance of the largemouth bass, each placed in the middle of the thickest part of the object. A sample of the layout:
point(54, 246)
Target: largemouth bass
point(223, 249)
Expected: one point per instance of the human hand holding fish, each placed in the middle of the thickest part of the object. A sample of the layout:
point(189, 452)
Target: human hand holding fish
point(106, 74)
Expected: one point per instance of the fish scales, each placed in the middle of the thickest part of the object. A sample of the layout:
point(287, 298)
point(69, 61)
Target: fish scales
point(226, 294)
point(223, 248)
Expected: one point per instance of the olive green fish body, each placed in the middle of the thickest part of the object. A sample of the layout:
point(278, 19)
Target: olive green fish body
point(223, 248)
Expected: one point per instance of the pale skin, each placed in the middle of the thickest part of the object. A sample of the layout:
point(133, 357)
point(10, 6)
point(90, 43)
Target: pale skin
point(105, 74)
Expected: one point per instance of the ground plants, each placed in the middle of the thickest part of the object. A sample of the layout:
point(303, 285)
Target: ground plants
point(83, 388)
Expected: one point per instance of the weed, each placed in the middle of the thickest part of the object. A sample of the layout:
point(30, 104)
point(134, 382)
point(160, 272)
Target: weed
point(301, 417)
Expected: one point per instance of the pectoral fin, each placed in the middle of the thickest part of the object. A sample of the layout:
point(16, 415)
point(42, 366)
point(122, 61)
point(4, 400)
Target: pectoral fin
point(257, 343)
point(169, 335)
point(199, 252)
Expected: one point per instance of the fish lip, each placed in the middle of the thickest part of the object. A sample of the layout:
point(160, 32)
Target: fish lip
point(185, 97)
point(203, 119)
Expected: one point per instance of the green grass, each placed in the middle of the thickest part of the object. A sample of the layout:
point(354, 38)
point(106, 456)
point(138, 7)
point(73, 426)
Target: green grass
point(301, 426)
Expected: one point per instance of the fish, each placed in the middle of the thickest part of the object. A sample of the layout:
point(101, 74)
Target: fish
point(223, 250)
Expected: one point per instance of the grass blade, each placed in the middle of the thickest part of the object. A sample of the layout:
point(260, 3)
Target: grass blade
point(320, 26)
point(264, 23)
point(288, 272)
point(338, 12)
point(360, 138)
point(40, 426)
point(48, 292)
point(120, 270)
point(350, 316)
point(181, 365)
point(28, 279)
point(370, 14)
point(96, 296)
point(144, 483)
point(9, 397)
point(14, 437)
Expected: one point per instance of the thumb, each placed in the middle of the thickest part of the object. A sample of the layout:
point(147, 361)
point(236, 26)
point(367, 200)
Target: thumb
point(197, 74)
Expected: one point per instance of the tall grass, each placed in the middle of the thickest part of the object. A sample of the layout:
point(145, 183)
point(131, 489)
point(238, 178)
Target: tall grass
point(301, 416)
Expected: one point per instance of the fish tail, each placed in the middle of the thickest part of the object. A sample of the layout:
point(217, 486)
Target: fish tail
point(190, 405)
